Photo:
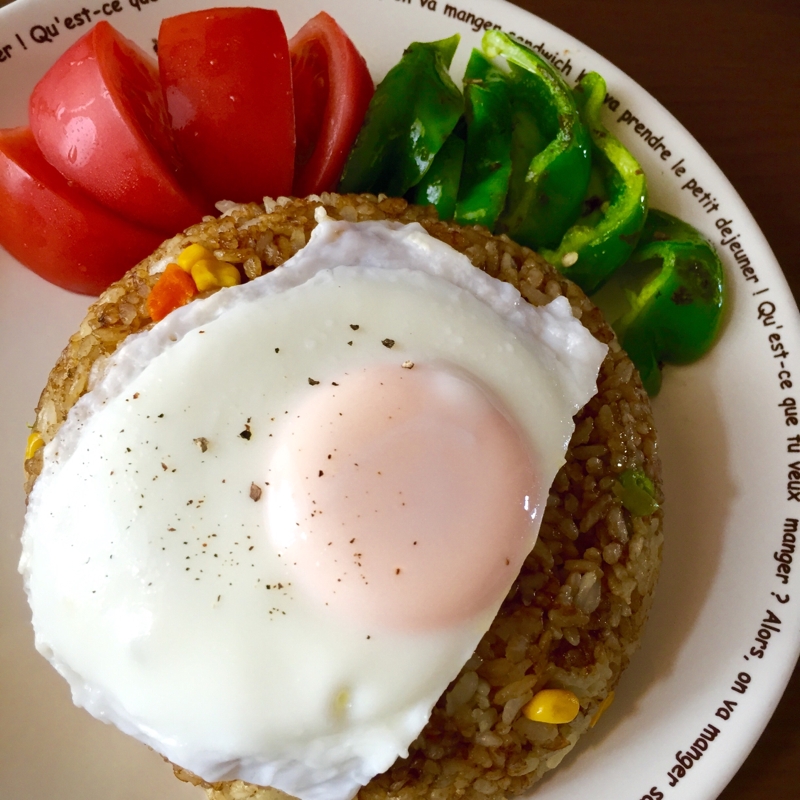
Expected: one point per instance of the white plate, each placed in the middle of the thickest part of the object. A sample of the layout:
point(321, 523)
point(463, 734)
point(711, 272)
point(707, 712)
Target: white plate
point(724, 423)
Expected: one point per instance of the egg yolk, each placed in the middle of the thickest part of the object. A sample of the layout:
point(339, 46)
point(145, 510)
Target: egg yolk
point(403, 497)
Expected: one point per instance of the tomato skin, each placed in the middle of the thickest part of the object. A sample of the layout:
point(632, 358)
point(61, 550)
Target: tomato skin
point(58, 231)
point(99, 118)
point(333, 88)
point(227, 83)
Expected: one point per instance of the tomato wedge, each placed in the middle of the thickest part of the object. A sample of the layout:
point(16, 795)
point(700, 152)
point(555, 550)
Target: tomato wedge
point(99, 118)
point(227, 82)
point(332, 89)
point(58, 231)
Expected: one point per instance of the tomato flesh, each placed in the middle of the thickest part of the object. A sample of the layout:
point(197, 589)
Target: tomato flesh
point(58, 231)
point(332, 89)
point(227, 82)
point(310, 81)
point(99, 118)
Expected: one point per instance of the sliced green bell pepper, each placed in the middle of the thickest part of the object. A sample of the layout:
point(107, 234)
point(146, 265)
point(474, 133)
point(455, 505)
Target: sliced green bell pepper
point(439, 185)
point(615, 207)
point(413, 111)
point(666, 303)
point(636, 492)
point(487, 160)
point(547, 187)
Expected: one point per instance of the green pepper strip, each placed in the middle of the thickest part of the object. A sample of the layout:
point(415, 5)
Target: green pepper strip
point(636, 492)
point(487, 161)
point(545, 193)
point(666, 303)
point(413, 111)
point(604, 238)
point(439, 185)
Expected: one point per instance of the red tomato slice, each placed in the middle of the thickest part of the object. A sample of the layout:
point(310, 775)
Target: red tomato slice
point(332, 89)
point(227, 81)
point(99, 118)
point(58, 231)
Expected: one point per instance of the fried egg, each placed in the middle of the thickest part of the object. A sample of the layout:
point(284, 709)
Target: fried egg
point(283, 517)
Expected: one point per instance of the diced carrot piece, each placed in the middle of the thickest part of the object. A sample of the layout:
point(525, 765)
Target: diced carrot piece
point(175, 288)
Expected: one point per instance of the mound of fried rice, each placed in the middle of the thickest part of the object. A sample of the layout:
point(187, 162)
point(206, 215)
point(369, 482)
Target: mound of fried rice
point(575, 614)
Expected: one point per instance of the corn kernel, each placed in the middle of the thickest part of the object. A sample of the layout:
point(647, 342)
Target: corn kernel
point(203, 274)
point(601, 709)
point(227, 274)
point(208, 273)
point(35, 442)
point(190, 255)
point(556, 706)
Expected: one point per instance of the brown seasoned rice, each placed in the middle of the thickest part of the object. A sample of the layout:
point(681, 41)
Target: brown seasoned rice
point(575, 614)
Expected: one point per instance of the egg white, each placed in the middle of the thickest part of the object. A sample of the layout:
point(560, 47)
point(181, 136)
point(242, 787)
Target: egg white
point(146, 556)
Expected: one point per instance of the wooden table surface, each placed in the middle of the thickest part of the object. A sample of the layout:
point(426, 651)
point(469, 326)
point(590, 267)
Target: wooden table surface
point(729, 70)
